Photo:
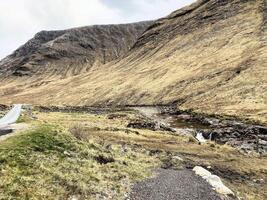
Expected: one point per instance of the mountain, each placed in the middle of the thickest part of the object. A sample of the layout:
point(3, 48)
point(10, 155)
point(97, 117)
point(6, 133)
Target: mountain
point(66, 52)
point(209, 57)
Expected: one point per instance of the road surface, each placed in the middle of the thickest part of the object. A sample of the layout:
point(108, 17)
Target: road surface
point(11, 117)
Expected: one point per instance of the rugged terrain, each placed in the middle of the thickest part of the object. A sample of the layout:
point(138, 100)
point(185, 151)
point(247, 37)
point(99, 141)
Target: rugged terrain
point(96, 154)
point(65, 53)
point(209, 57)
point(206, 65)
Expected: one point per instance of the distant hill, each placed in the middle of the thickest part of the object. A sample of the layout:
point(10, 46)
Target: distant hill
point(210, 57)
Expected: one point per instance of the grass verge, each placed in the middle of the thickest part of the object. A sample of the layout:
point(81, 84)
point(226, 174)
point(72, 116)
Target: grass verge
point(49, 163)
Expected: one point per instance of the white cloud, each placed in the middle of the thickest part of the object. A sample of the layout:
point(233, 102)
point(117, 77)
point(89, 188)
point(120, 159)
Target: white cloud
point(21, 19)
point(153, 9)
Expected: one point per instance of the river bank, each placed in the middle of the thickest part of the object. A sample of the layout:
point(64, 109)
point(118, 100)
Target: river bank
point(248, 137)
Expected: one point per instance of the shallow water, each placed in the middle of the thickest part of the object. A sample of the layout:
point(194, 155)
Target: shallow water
point(180, 123)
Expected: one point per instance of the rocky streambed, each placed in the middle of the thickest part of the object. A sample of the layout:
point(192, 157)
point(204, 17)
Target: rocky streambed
point(247, 138)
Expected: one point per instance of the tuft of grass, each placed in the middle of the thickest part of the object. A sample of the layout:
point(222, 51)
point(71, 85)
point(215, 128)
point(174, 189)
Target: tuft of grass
point(78, 131)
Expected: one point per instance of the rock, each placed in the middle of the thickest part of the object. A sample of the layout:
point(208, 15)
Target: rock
point(201, 171)
point(150, 125)
point(184, 117)
point(213, 180)
point(101, 159)
point(66, 153)
point(258, 181)
point(165, 127)
point(140, 124)
point(74, 197)
point(243, 136)
point(262, 130)
point(262, 142)
point(116, 116)
point(5, 131)
point(178, 158)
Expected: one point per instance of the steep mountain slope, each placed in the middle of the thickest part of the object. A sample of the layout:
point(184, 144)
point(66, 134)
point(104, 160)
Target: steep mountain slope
point(210, 57)
point(65, 52)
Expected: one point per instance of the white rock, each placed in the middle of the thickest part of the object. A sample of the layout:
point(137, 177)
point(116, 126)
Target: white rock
point(178, 158)
point(213, 180)
point(201, 171)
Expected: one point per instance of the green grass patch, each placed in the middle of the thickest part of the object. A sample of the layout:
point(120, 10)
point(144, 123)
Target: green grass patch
point(24, 118)
point(49, 163)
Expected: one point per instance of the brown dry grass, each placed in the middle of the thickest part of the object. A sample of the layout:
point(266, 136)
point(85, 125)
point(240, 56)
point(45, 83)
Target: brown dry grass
point(78, 131)
point(237, 170)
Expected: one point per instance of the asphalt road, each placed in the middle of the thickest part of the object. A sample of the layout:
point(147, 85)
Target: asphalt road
point(11, 117)
point(173, 185)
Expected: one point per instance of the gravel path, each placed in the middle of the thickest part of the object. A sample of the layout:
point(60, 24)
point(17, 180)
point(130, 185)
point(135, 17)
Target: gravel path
point(173, 185)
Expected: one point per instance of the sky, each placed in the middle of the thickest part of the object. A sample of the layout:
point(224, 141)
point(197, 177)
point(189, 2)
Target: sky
point(20, 20)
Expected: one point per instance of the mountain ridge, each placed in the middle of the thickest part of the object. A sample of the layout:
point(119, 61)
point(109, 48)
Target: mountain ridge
point(96, 44)
point(209, 57)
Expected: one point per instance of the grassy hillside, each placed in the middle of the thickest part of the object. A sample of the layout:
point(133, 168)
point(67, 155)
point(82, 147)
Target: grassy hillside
point(209, 57)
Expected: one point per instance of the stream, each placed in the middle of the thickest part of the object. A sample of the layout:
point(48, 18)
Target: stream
point(245, 137)
point(181, 123)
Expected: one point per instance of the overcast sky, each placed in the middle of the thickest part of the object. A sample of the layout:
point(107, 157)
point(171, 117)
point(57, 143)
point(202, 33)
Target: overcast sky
point(21, 19)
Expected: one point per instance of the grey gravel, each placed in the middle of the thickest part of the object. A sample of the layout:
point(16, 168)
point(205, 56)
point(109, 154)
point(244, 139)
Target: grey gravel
point(173, 185)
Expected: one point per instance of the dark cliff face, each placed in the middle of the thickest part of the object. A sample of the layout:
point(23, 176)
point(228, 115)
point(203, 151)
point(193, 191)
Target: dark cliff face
point(59, 52)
